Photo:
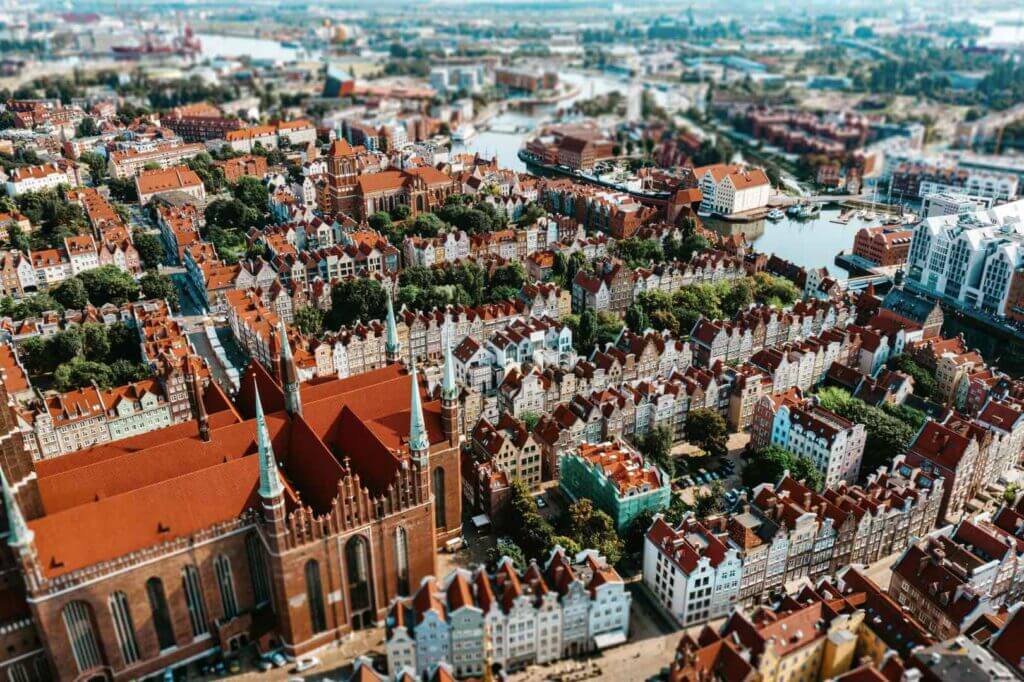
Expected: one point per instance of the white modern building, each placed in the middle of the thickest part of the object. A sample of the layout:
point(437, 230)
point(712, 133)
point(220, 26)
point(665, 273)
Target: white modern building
point(692, 572)
point(971, 257)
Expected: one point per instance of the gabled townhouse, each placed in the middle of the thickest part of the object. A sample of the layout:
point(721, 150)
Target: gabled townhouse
point(694, 573)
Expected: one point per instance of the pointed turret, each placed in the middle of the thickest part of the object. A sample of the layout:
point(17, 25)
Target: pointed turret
point(449, 389)
point(18, 533)
point(419, 443)
point(270, 482)
point(449, 399)
point(289, 374)
point(391, 345)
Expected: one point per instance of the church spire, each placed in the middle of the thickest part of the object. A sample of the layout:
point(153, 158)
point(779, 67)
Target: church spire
point(449, 390)
point(19, 534)
point(391, 345)
point(270, 483)
point(449, 399)
point(419, 443)
point(289, 374)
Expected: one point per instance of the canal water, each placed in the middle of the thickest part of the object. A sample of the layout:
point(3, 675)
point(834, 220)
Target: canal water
point(808, 243)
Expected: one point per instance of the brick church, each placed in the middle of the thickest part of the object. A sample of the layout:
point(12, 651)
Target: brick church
point(291, 517)
point(348, 191)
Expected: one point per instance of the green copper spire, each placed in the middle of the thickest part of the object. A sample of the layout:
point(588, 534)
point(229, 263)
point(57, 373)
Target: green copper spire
point(270, 483)
point(19, 534)
point(449, 391)
point(289, 374)
point(418, 440)
point(391, 345)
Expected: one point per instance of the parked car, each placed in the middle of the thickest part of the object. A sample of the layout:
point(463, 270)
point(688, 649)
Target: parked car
point(306, 663)
point(541, 503)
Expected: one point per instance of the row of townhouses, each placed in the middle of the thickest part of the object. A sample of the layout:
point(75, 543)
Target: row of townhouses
point(701, 570)
point(570, 606)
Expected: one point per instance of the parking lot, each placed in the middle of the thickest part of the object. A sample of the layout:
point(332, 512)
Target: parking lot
point(700, 473)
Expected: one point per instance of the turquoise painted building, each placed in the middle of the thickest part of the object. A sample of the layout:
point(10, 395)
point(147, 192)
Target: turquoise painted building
point(616, 479)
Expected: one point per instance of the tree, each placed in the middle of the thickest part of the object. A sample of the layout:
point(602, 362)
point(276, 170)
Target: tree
point(356, 299)
point(109, 284)
point(150, 248)
point(512, 275)
point(232, 214)
point(711, 502)
point(251, 192)
point(586, 333)
point(530, 420)
point(71, 294)
point(506, 548)
point(736, 296)
point(924, 380)
point(707, 429)
point(400, 212)
point(379, 221)
point(87, 127)
point(95, 342)
point(309, 320)
point(657, 449)
point(633, 538)
point(426, 225)
point(531, 214)
point(594, 529)
point(531, 531)
point(18, 239)
point(636, 320)
point(78, 372)
point(770, 463)
point(97, 165)
point(123, 190)
point(155, 285)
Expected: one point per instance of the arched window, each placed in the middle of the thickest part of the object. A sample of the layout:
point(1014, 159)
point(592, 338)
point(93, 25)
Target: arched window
point(257, 569)
point(161, 613)
point(402, 560)
point(226, 585)
point(195, 601)
point(438, 490)
point(315, 595)
point(82, 636)
point(360, 582)
point(122, 616)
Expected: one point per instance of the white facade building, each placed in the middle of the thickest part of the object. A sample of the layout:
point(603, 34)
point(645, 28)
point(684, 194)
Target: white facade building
point(970, 257)
point(692, 572)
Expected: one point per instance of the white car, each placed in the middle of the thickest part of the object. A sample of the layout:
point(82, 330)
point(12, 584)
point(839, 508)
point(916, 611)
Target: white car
point(306, 663)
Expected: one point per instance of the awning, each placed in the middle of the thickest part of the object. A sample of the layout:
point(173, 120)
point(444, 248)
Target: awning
point(481, 520)
point(609, 639)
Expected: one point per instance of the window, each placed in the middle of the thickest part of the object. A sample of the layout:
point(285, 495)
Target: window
point(123, 627)
point(438, 489)
point(161, 613)
point(194, 599)
point(314, 593)
point(82, 636)
point(226, 585)
point(257, 569)
point(402, 561)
